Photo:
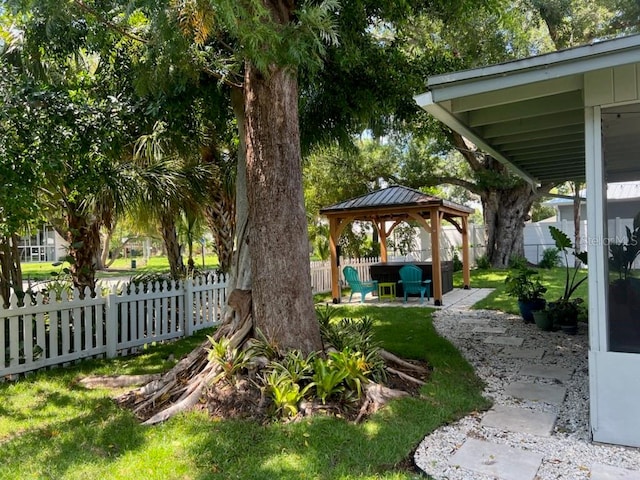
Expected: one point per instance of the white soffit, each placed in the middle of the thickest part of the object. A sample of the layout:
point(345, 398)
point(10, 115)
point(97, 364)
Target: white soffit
point(528, 113)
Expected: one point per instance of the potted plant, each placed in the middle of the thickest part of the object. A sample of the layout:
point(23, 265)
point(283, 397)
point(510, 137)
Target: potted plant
point(521, 284)
point(543, 320)
point(564, 311)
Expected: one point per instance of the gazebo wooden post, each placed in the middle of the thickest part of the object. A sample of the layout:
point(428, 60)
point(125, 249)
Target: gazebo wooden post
point(335, 268)
point(436, 219)
point(382, 236)
point(466, 266)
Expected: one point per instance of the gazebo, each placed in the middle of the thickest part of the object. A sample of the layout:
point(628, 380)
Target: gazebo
point(386, 209)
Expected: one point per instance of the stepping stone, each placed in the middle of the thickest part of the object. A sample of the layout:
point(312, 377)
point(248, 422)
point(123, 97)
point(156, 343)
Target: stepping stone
point(607, 472)
point(543, 371)
point(511, 341)
point(528, 353)
point(495, 460)
point(537, 392)
point(489, 330)
point(514, 419)
point(474, 321)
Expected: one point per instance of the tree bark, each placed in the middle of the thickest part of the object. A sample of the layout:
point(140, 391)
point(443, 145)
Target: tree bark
point(505, 212)
point(240, 272)
point(10, 268)
point(83, 237)
point(170, 238)
point(281, 278)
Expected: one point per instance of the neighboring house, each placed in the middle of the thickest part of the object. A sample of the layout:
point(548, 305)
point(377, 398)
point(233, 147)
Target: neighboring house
point(42, 245)
point(623, 202)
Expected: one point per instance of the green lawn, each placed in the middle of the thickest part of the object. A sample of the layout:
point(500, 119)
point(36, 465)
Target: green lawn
point(553, 279)
point(53, 428)
point(38, 271)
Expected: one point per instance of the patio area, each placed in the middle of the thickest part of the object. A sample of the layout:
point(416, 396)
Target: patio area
point(456, 299)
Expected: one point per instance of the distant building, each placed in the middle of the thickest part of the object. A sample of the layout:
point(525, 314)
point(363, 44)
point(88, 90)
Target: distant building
point(623, 202)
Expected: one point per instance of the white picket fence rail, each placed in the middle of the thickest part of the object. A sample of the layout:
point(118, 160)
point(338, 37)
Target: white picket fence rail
point(321, 271)
point(51, 331)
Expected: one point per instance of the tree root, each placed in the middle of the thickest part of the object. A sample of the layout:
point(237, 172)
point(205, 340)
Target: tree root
point(376, 397)
point(391, 358)
point(181, 388)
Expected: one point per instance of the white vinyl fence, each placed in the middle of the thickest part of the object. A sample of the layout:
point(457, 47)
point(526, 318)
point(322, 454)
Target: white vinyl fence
point(321, 272)
point(50, 331)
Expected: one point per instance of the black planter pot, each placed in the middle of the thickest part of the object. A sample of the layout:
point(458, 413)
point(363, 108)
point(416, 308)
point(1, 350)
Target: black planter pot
point(542, 320)
point(527, 307)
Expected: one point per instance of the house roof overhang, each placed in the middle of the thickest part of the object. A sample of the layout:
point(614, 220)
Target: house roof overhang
point(529, 114)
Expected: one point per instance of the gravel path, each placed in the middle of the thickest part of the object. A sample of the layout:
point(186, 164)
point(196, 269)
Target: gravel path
point(568, 453)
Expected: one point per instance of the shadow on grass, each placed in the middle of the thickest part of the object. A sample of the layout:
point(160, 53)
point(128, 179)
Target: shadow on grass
point(98, 440)
point(329, 448)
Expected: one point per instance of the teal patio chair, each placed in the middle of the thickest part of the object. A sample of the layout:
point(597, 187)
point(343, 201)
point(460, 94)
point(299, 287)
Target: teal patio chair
point(357, 286)
point(411, 280)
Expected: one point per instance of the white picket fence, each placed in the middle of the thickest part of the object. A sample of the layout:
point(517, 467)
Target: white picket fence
point(321, 271)
point(51, 331)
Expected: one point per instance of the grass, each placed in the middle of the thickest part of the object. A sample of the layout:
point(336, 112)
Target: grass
point(553, 279)
point(53, 428)
point(38, 271)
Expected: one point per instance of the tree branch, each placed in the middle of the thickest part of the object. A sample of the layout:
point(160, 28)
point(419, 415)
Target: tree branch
point(469, 155)
point(83, 6)
point(472, 187)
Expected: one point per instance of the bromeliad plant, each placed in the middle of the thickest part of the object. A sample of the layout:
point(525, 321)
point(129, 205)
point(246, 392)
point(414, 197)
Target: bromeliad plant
point(231, 360)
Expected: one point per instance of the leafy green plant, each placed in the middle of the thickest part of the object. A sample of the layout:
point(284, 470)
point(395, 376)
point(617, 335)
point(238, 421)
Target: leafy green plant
point(355, 365)
point(231, 360)
point(517, 262)
point(285, 393)
point(550, 258)
point(61, 281)
point(296, 366)
point(328, 379)
point(521, 285)
point(261, 347)
point(623, 255)
point(483, 263)
point(564, 244)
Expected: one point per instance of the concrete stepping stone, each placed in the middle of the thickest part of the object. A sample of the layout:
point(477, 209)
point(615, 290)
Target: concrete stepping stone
point(528, 353)
point(474, 321)
point(489, 330)
point(600, 471)
point(510, 341)
point(514, 419)
point(547, 371)
point(537, 392)
point(495, 460)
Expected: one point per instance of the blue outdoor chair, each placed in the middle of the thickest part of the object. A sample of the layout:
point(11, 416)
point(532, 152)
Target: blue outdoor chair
point(411, 279)
point(357, 286)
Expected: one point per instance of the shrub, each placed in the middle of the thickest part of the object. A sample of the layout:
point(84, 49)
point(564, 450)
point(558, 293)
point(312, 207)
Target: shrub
point(457, 263)
point(517, 262)
point(483, 263)
point(550, 258)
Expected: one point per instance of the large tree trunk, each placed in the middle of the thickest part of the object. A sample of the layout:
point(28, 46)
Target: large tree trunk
point(170, 239)
point(10, 268)
point(83, 237)
point(505, 213)
point(240, 272)
point(281, 278)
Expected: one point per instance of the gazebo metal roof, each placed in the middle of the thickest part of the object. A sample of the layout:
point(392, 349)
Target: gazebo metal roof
point(389, 201)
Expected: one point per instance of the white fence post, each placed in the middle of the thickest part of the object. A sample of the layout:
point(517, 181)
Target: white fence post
point(111, 323)
point(188, 315)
